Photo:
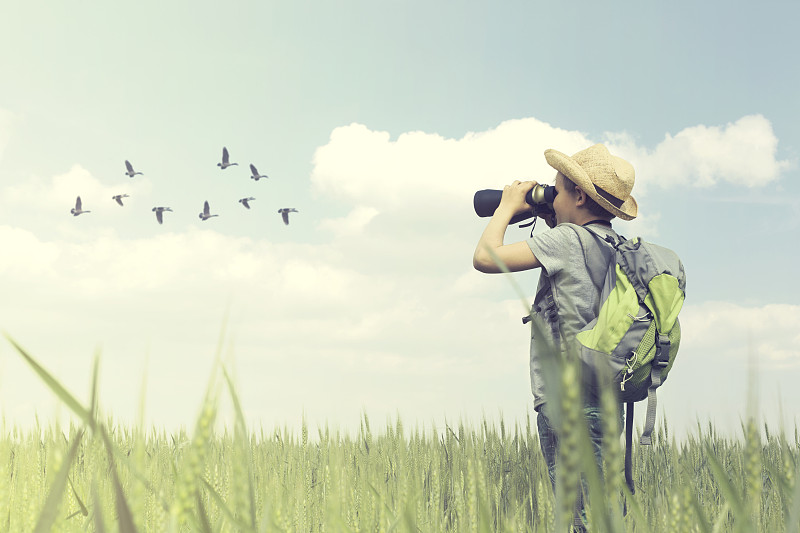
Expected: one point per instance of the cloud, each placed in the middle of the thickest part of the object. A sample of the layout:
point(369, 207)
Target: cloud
point(107, 267)
point(740, 153)
point(425, 169)
point(352, 224)
point(770, 333)
point(311, 324)
point(418, 168)
point(60, 191)
point(26, 257)
point(728, 350)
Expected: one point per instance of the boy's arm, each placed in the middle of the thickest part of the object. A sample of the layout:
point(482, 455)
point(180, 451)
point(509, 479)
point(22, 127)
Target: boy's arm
point(517, 256)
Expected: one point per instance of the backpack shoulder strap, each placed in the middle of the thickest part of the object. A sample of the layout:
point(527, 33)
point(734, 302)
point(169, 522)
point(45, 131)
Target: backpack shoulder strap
point(608, 239)
point(599, 252)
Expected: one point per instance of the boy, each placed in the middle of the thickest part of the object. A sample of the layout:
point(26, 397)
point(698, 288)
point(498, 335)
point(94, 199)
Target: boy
point(592, 188)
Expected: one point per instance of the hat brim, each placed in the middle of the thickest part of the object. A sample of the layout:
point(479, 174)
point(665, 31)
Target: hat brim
point(571, 169)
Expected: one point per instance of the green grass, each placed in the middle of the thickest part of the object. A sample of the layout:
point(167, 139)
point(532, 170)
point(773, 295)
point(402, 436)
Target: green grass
point(96, 475)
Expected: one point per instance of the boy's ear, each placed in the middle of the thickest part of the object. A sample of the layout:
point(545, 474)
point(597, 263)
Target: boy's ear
point(580, 196)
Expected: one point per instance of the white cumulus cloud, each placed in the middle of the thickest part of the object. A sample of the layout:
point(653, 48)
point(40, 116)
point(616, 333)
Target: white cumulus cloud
point(422, 169)
point(770, 333)
point(59, 192)
point(743, 153)
point(351, 224)
point(370, 168)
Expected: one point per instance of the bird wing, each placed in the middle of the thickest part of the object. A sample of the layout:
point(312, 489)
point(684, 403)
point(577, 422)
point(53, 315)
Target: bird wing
point(253, 169)
point(285, 215)
point(78, 203)
point(245, 203)
point(128, 166)
point(224, 155)
point(118, 198)
point(159, 216)
point(206, 208)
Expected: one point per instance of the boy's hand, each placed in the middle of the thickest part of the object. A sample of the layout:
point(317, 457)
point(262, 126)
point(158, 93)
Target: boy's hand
point(491, 252)
point(513, 197)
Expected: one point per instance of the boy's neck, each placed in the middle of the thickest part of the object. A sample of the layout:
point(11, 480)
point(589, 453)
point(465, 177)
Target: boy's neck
point(584, 218)
point(602, 221)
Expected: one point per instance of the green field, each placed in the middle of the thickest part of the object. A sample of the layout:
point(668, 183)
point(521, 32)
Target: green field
point(389, 477)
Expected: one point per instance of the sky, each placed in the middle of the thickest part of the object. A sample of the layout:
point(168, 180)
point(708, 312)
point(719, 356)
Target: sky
point(377, 121)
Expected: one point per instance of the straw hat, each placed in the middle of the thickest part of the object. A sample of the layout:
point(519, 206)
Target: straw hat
point(606, 178)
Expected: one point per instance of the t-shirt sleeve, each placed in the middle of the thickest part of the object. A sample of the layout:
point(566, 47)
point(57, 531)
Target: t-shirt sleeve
point(555, 249)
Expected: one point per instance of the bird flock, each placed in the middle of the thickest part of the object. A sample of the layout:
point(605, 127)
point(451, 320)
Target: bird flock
point(205, 214)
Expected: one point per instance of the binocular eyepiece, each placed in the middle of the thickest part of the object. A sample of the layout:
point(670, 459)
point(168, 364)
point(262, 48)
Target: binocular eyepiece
point(540, 198)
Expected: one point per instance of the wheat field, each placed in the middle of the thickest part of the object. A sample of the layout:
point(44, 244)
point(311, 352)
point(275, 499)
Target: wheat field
point(98, 476)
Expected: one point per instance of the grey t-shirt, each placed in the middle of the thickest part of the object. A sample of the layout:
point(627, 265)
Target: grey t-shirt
point(575, 264)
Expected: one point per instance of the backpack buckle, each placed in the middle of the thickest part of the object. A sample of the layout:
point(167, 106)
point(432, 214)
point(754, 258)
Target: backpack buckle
point(661, 358)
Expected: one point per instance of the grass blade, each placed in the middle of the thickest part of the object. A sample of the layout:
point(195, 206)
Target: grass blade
point(635, 509)
point(793, 521)
point(723, 514)
point(734, 501)
point(99, 524)
point(224, 508)
point(701, 522)
point(48, 515)
point(205, 525)
point(54, 385)
point(83, 510)
point(243, 443)
point(193, 460)
point(124, 515)
point(93, 397)
point(502, 266)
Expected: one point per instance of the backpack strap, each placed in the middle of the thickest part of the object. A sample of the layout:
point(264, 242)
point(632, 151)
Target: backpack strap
point(615, 244)
point(600, 256)
point(660, 361)
point(608, 239)
point(545, 306)
point(629, 447)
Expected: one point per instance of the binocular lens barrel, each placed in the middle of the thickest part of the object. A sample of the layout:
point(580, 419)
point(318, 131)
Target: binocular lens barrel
point(486, 201)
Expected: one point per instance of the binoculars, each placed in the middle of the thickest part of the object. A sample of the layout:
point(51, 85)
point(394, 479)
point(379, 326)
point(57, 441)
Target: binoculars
point(540, 198)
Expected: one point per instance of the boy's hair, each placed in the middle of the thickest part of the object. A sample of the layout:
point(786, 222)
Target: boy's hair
point(593, 207)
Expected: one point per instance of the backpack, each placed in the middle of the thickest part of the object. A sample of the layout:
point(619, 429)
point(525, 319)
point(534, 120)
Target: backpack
point(633, 342)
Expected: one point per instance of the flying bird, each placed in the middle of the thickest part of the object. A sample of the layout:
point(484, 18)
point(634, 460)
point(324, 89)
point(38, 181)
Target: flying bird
point(246, 201)
point(119, 197)
point(206, 214)
point(225, 163)
point(130, 171)
point(159, 213)
point(256, 176)
point(77, 210)
point(284, 211)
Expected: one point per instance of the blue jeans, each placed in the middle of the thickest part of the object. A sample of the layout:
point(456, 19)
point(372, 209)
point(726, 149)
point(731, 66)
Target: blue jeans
point(548, 440)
